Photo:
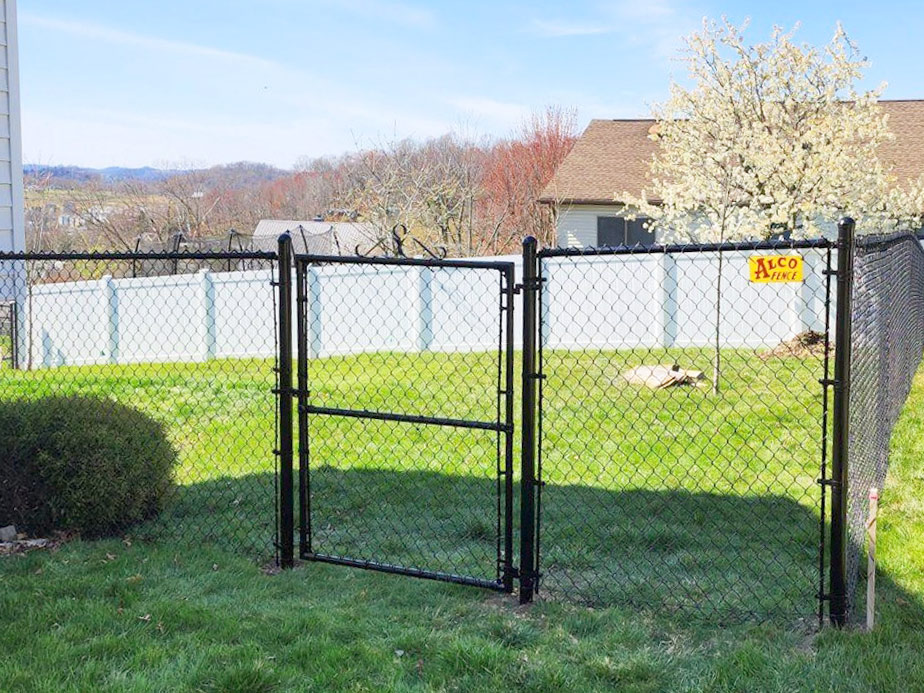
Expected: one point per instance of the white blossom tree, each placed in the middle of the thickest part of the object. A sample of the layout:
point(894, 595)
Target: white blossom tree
point(770, 138)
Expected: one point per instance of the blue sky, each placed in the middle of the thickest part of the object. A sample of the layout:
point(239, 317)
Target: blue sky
point(201, 82)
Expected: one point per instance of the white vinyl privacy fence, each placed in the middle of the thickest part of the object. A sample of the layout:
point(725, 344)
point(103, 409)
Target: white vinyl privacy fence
point(593, 302)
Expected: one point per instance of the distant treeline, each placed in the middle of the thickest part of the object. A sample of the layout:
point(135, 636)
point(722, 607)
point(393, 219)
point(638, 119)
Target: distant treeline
point(464, 194)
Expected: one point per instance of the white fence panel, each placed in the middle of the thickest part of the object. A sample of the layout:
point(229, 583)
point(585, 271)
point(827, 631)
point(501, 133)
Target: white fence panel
point(242, 318)
point(160, 319)
point(70, 324)
point(356, 309)
point(600, 302)
point(592, 302)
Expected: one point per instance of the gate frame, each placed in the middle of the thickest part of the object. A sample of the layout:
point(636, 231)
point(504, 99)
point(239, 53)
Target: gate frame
point(506, 568)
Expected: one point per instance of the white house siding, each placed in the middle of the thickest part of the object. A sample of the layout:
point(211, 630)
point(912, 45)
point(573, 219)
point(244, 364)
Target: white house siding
point(12, 224)
point(12, 228)
point(577, 224)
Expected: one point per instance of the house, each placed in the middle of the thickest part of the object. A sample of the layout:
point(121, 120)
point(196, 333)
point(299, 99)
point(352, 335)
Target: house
point(613, 156)
point(12, 225)
point(317, 237)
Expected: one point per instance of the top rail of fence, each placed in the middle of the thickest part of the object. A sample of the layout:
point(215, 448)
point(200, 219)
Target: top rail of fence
point(404, 261)
point(104, 255)
point(881, 241)
point(798, 244)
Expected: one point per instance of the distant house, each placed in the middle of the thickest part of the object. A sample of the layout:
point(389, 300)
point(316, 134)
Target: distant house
point(317, 237)
point(613, 156)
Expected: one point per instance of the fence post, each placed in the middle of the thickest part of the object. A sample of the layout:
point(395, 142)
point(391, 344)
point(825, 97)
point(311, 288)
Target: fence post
point(315, 313)
point(668, 300)
point(284, 399)
point(840, 440)
point(528, 426)
point(110, 320)
point(301, 312)
point(207, 294)
point(424, 291)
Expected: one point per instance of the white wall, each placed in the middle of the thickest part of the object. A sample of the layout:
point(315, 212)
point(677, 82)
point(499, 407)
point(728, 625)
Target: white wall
point(577, 224)
point(12, 228)
point(602, 302)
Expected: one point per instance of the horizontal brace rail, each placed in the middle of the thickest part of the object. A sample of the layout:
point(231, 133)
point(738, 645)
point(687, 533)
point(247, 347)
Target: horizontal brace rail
point(139, 256)
point(402, 261)
point(401, 570)
point(689, 248)
point(407, 418)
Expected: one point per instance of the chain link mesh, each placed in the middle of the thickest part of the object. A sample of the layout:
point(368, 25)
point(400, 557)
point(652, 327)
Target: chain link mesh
point(187, 340)
point(886, 346)
point(405, 457)
point(659, 489)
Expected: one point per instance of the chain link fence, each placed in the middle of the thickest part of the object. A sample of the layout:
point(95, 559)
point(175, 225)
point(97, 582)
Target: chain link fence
point(405, 391)
point(195, 351)
point(681, 418)
point(675, 409)
point(886, 347)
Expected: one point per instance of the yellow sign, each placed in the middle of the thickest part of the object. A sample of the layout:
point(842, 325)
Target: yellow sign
point(775, 268)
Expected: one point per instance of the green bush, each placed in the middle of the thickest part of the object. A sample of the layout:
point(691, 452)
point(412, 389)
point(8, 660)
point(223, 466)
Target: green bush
point(80, 463)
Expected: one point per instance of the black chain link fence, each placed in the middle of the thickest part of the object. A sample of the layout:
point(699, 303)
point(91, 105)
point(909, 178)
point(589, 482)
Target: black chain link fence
point(683, 395)
point(681, 420)
point(406, 406)
point(195, 350)
point(886, 348)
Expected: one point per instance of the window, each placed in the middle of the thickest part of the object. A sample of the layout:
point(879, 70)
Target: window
point(616, 231)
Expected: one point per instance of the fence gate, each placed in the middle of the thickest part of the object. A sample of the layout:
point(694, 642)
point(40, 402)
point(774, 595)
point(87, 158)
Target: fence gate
point(8, 337)
point(405, 416)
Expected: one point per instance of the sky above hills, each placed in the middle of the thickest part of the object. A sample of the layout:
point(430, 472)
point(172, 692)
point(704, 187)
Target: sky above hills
point(108, 82)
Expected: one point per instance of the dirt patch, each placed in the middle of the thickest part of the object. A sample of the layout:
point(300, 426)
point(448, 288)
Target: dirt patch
point(809, 344)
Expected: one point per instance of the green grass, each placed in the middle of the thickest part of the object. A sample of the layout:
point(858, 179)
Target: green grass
point(643, 508)
point(6, 349)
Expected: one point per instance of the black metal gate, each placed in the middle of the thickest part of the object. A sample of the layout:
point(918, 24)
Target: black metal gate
point(395, 473)
point(8, 338)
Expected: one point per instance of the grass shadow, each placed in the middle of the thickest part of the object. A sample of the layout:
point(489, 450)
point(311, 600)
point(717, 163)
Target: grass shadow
point(720, 557)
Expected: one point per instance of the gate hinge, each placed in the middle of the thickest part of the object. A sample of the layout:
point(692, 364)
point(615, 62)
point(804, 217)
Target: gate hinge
point(823, 597)
point(829, 272)
point(534, 284)
point(829, 382)
point(536, 376)
point(834, 483)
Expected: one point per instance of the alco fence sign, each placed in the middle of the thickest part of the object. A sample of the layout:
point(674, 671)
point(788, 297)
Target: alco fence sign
point(767, 269)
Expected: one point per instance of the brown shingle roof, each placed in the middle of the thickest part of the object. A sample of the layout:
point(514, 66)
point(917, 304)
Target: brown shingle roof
point(612, 156)
point(906, 152)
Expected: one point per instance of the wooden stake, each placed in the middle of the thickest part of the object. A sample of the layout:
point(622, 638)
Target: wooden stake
point(871, 561)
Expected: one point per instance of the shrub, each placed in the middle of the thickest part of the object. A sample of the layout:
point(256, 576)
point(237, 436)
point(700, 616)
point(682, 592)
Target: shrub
point(80, 463)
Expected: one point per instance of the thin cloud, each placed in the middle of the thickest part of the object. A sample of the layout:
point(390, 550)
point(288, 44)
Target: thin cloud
point(401, 13)
point(111, 35)
point(657, 24)
point(498, 111)
point(556, 27)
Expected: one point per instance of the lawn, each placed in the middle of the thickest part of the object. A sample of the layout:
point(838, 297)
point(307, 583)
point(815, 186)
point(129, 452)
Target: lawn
point(662, 510)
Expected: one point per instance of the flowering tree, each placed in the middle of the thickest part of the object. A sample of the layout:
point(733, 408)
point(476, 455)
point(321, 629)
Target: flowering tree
point(770, 138)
